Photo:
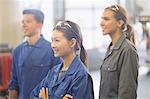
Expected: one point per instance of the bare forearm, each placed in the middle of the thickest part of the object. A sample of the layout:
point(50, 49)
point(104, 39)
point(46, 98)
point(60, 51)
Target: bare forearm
point(13, 94)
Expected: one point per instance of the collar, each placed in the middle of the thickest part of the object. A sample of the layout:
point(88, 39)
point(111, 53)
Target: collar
point(72, 68)
point(119, 42)
point(38, 44)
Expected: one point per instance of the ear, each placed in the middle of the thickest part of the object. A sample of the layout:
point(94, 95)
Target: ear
point(73, 42)
point(40, 25)
point(120, 23)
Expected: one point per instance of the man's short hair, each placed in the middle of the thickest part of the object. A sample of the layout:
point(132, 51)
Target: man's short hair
point(38, 15)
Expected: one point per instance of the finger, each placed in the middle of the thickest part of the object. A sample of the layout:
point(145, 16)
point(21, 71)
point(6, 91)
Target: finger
point(67, 96)
point(40, 94)
point(46, 93)
point(64, 97)
point(43, 93)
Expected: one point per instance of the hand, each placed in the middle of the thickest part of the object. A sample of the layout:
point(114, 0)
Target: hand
point(67, 96)
point(13, 94)
point(43, 93)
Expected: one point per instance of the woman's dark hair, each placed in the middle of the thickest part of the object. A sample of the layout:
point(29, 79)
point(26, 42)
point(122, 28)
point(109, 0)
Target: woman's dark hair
point(72, 30)
point(121, 14)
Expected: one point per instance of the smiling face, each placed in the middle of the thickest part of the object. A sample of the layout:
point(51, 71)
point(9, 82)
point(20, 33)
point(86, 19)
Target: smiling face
point(62, 47)
point(109, 23)
point(30, 25)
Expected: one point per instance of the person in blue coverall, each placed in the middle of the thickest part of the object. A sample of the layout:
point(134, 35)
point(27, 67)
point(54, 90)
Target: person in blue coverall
point(32, 59)
point(69, 79)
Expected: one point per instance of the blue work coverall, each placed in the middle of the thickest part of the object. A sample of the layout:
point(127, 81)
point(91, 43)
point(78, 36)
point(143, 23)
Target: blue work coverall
point(76, 82)
point(30, 65)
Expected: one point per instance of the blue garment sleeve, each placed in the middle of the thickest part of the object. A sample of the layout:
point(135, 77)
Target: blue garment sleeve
point(13, 85)
point(36, 90)
point(82, 87)
point(44, 83)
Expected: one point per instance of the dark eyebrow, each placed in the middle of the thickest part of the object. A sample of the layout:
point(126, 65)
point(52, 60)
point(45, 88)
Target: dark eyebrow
point(105, 18)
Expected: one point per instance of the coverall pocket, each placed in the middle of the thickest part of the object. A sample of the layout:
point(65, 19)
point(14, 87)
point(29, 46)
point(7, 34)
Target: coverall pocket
point(112, 78)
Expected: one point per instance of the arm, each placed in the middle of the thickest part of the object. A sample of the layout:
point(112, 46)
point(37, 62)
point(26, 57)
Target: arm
point(44, 94)
point(128, 75)
point(13, 85)
point(39, 91)
point(82, 87)
point(13, 94)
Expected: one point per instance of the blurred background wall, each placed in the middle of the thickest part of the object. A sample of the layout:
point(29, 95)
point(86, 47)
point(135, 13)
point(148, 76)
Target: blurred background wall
point(10, 22)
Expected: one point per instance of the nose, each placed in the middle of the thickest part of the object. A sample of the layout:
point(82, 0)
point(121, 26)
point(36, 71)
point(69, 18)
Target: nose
point(23, 24)
point(102, 23)
point(53, 45)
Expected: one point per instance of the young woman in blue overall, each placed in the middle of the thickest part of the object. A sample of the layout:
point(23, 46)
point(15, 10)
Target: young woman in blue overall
point(69, 79)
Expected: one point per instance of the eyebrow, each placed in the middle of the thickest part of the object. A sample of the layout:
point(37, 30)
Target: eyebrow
point(106, 17)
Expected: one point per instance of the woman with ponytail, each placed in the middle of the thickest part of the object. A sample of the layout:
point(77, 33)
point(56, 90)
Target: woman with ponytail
point(68, 80)
point(119, 70)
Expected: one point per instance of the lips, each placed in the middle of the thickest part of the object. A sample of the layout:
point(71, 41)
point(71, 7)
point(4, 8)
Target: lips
point(55, 51)
point(103, 29)
point(25, 28)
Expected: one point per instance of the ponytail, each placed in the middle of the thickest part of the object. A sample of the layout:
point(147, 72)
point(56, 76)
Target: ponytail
point(73, 31)
point(83, 55)
point(130, 33)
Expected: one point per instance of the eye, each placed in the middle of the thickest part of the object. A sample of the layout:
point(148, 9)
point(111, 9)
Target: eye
point(22, 21)
point(105, 18)
point(55, 40)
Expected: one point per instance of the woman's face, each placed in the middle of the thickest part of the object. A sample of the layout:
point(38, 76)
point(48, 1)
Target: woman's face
point(61, 46)
point(109, 23)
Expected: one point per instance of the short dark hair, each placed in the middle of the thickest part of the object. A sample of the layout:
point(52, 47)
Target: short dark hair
point(39, 15)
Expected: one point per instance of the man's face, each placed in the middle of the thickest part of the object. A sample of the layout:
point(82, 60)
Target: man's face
point(30, 25)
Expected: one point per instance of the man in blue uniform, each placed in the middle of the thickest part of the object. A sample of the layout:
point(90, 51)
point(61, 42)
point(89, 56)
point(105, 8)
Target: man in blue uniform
point(32, 59)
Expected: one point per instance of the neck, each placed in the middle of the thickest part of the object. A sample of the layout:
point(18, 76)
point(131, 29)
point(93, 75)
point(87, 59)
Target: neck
point(115, 37)
point(33, 39)
point(68, 60)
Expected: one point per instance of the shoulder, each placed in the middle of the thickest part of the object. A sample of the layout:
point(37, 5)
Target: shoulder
point(19, 47)
point(128, 49)
point(82, 70)
point(45, 42)
point(127, 45)
point(56, 67)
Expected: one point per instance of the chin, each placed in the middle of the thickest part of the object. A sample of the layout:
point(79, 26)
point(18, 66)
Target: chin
point(56, 55)
point(105, 33)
